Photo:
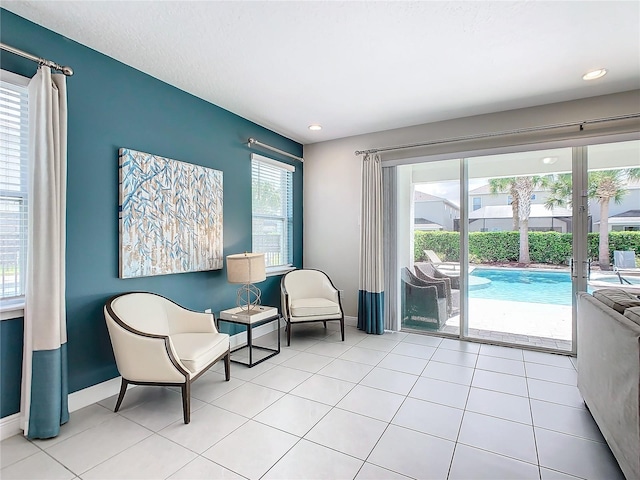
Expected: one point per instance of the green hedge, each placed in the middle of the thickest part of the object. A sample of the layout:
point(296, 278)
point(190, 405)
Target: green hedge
point(544, 247)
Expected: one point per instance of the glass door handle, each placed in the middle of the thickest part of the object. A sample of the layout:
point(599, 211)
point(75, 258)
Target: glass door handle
point(571, 266)
point(586, 268)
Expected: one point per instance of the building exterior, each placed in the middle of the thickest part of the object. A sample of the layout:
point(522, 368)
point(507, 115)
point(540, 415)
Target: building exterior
point(434, 213)
point(492, 212)
point(628, 221)
point(623, 216)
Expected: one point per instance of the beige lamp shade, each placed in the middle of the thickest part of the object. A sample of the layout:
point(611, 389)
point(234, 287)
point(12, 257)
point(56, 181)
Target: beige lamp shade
point(246, 268)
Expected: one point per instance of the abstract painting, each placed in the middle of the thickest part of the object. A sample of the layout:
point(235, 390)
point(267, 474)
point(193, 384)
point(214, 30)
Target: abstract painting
point(170, 216)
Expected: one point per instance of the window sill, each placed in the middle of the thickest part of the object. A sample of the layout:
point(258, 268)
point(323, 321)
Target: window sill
point(273, 271)
point(12, 309)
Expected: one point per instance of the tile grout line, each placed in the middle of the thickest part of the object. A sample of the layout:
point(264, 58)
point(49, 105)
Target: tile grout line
point(115, 454)
point(332, 407)
point(464, 411)
point(385, 431)
point(533, 429)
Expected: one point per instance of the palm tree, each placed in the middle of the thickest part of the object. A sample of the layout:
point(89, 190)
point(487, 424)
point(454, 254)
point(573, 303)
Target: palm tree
point(603, 186)
point(521, 189)
point(501, 185)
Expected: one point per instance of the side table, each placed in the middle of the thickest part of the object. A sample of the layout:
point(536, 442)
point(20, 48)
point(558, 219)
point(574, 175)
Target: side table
point(257, 316)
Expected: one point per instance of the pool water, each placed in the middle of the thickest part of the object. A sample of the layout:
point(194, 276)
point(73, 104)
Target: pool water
point(524, 286)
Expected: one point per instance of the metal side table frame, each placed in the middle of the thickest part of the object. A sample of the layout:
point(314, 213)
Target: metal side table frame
point(264, 316)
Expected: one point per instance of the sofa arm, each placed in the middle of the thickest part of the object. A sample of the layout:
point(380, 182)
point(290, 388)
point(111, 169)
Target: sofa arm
point(608, 377)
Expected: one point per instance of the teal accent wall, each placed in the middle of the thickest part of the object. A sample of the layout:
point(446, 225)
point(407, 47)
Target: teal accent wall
point(112, 105)
point(11, 337)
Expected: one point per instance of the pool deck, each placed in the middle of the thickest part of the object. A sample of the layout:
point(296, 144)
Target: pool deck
point(527, 323)
point(524, 323)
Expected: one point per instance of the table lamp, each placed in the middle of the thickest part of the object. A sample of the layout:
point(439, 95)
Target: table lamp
point(247, 269)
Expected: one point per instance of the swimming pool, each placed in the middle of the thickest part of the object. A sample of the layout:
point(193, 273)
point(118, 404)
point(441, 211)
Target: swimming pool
point(533, 286)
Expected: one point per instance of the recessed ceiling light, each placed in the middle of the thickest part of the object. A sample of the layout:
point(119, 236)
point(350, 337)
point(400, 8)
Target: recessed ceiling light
point(549, 160)
point(592, 75)
point(315, 127)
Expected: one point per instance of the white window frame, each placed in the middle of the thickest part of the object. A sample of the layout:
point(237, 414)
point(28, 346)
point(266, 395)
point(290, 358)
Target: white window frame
point(13, 307)
point(286, 218)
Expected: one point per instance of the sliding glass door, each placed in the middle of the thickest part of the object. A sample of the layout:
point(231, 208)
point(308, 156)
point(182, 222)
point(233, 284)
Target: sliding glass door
point(520, 249)
point(613, 194)
point(430, 300)
point(499, 245)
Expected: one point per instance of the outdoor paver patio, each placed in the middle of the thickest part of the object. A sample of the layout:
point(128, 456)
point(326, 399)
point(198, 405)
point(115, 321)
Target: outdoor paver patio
point(522, 323)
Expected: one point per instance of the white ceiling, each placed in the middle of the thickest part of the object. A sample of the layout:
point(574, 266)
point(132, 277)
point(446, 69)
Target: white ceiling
point(360, 67)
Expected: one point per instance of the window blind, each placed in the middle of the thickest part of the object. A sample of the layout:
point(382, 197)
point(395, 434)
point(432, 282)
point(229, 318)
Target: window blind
point(14, 149)
point(272, 210)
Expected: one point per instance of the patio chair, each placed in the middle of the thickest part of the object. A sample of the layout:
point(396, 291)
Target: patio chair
point(435, 259)
point(432, 270)
point(452, 294)
point(624, 263)
point(625, 260)
point(423, 305)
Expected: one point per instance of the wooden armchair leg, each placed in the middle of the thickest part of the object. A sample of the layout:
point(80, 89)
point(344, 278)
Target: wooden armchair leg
point(227, 366)
point(288, 334)
point(325, 324)
point(186, 401)
point(342, 328)
point(123, 390)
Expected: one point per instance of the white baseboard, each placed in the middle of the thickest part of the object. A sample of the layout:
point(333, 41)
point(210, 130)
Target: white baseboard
point(10, 426)
point(95, 393)
point(351, 321)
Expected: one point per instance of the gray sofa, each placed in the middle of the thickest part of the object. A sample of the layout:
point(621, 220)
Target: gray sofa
point(609, 370)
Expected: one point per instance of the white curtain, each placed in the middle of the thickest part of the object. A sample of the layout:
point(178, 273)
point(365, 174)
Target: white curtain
point(44, 379)
point(371, 288)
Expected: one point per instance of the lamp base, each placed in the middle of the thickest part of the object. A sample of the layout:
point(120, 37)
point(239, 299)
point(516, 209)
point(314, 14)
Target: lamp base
point(248, 297)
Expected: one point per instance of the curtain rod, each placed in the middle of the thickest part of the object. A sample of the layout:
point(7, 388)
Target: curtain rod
point(252, 141)
point(68, 71)
point(500, 134)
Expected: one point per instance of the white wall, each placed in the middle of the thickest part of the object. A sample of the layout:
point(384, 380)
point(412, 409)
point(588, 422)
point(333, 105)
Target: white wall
point(331, 236)
point(332, 172)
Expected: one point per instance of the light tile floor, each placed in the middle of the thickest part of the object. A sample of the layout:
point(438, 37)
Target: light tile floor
point(391, 407)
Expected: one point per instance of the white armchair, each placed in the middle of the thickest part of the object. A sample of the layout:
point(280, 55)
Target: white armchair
point(157, 342)
point(310, 296)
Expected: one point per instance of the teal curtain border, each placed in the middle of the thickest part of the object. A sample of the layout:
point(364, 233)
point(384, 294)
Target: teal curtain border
point(49, 392)
point(371, 312)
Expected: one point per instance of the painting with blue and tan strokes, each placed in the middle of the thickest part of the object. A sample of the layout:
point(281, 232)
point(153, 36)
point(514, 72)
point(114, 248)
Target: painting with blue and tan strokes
point(170, 216)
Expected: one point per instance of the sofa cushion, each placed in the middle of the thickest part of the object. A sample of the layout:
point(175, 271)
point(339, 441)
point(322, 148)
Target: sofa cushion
point(197, 350)
point(617, 299)
point(310, 307)
point(633, 314)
